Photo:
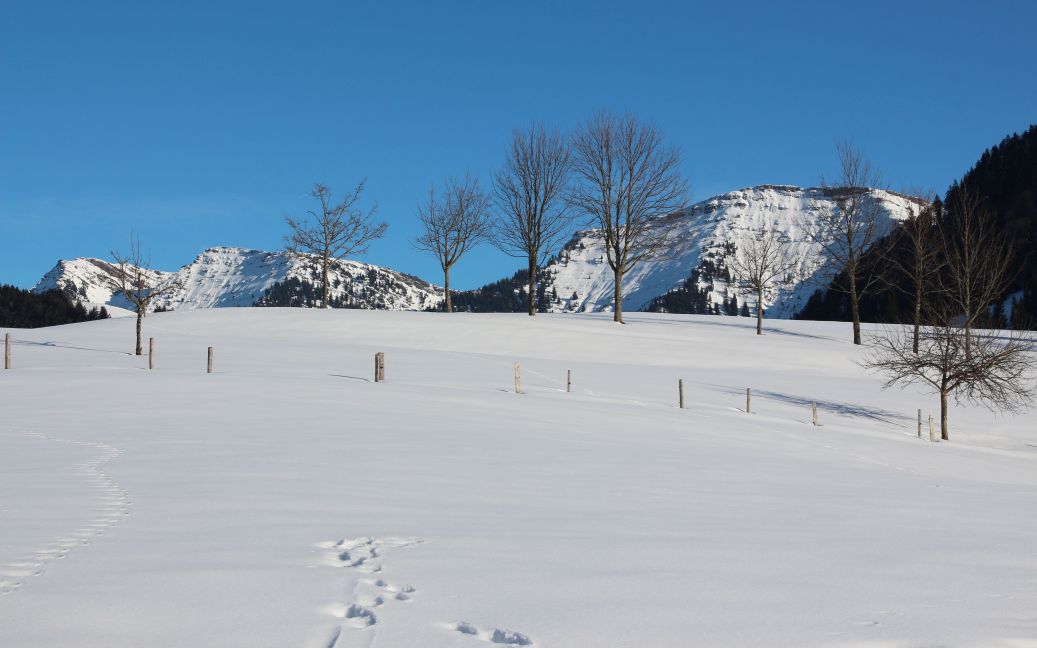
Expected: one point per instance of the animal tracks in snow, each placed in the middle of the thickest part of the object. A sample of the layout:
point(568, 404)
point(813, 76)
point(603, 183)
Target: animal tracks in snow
point(493, 635)
point(359, 612)
point(108, 502)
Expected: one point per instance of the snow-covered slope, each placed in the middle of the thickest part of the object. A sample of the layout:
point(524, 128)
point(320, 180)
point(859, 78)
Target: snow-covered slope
point(707, 232)
point(287, 500)
point(227, 276)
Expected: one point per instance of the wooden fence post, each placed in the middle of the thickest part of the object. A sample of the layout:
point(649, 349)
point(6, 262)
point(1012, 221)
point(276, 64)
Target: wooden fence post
point(7, 350)
point(518, 379)
point(813, 408)
point(209, 365)
point(680, 392)
point(151, 353)
point(748, 400)
point(919, 424)
point(379, 367)
point(569, 381)
point(932, 430)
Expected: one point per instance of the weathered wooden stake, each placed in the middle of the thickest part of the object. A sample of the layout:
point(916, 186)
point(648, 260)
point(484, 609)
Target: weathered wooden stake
point(919, 424)
point(379, 367)
point(569, 380)
point(932, 430)
point(518, 379)
point(151, 353)
point(680, 392)
point(813, 407)
point(748, 400)
point(209, 366)
point(7, 350)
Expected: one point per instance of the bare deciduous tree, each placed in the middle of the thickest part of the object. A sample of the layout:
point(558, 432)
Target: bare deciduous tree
point(762, 264)
point(529, 190)
point(630, 187)
point(977, 260)
point(453, 224)
point(847, 230)
point(995, 372)
point(334, 231)
point(133, 279)
point(914, 253)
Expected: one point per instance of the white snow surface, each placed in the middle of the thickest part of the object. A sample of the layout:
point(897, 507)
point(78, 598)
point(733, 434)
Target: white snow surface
point(704, 231)
point(229, 276)
point(288, 500)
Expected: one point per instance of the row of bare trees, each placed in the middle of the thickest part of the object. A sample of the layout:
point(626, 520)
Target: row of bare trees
point(614, 173)
point(959, 268)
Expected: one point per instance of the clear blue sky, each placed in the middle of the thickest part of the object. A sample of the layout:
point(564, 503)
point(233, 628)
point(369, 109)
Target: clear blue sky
point(204, 123)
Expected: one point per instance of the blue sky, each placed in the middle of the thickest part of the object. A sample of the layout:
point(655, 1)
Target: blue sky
point(205, 123)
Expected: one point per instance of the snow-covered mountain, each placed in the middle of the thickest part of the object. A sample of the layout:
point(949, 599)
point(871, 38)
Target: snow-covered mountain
point(227, 276)
point(707, 233)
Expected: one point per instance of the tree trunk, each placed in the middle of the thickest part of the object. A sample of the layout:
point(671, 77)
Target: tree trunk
point(325, 291)
point(759, 312)
point(855, 309)
point(944, 427)
point(140, 318)
point(617, 313)
point(918, 319)
point(531, 299)
point(446, 290)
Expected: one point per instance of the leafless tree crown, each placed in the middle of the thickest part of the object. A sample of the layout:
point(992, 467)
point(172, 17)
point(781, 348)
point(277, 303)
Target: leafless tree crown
point(334, 230)
point(628, 185)
point(453, 223)
point(763, 263)
point(977, 259)
point(847, 229)
point(530, 195)
point(993, 369)
point(134, 279)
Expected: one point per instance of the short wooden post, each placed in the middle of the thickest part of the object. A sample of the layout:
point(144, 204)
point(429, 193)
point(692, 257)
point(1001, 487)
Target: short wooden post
point(518, 379)
point(919, 424)
point(151, 353)
point(932, 430)
point(813, 408)
point(680, 392)
point(569, 381)
point(209, 365)
point(379, 367)
point(7, 350)
point(748, 400)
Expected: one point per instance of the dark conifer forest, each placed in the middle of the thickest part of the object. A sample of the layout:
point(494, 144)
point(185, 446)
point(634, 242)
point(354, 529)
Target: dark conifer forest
point(26, 309)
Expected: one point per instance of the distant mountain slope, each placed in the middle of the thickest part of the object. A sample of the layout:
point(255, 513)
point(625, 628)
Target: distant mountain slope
point(580, 279)
point(225, 276)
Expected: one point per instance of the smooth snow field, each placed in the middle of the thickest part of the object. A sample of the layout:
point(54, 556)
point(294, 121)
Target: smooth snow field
point(287, 500)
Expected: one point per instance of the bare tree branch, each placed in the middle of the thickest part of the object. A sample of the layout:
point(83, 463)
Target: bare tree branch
point(629, 186)
point(847, 229)
point(453, 224)
point(134, 279)
point(763, 263)
point(334, 231)
point(530, 194)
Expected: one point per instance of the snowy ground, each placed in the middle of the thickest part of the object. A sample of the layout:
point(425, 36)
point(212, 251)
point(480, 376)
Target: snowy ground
point(288, 501)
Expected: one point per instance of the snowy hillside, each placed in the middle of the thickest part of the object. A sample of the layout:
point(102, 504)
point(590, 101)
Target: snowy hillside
point(707, 233)
point(224, 276)
point(286, 500)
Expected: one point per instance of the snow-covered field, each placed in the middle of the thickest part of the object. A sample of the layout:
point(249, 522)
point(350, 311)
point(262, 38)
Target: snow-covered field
point(286, 500)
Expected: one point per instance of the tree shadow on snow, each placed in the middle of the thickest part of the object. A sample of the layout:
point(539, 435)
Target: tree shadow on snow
point(67, 346)
point(845, 409)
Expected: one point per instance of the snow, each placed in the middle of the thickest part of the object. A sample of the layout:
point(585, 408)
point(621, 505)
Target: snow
point(287, 500)
point(702, 233)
